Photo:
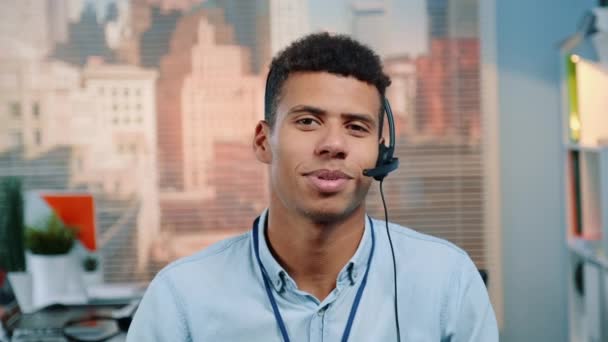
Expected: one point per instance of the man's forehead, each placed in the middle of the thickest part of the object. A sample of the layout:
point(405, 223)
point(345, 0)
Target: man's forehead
point(329, 92)
point(325, 76)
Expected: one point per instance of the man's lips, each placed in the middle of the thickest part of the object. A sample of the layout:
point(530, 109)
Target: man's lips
point(328, 174)
point(328, 181)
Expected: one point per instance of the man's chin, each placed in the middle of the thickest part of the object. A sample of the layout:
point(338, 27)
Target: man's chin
point(328, 215)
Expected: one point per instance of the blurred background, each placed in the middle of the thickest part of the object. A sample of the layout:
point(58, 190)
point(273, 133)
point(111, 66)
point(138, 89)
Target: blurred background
point(149, 107)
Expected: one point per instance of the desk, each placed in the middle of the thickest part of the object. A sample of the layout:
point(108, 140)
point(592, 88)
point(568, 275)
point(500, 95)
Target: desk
point(56, 317)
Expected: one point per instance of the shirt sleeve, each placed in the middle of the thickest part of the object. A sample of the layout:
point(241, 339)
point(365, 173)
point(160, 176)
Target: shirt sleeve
point(160, 315)
point(471, 316)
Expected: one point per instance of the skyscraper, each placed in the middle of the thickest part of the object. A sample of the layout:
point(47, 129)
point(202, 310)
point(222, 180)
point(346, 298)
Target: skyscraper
point(24, 25)
point(288, 22)
point(250, 20)
point(206, 93)
point(86, 38)
point(208, 101)
point(369, 24)
point(37, 95)
point(117, 151)
point(58, 20)
point(447, 101)
point(402, 92)
point(452, 18)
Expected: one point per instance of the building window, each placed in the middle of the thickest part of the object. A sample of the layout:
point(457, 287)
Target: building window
point(138, 92)
point(36, 110)
point(100, 90)
point(38, 137)
point(15, 109)
point(17, 138)
point(139, 119)
point(115, 107)
point(114, 91)
point(138, 106)
point(115, 120)
point(126, 92)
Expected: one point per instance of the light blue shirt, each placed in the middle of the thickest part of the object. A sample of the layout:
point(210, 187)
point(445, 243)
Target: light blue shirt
point(218, 294)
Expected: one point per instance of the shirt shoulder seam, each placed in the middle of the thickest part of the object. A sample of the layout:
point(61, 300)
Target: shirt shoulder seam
point(196, 258)
point(181, 305)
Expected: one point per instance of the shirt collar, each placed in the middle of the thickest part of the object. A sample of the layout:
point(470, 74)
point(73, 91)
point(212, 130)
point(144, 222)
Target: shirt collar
point(350, 274)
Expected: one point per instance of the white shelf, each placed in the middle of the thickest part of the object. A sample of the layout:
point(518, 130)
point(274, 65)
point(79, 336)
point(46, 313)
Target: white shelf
point(584, 148)
point(584, 103)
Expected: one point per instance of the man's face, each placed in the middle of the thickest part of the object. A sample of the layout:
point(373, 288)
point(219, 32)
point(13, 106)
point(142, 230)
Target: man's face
point(324, 136)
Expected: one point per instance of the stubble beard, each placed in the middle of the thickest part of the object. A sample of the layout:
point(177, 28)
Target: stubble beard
point(322, 216)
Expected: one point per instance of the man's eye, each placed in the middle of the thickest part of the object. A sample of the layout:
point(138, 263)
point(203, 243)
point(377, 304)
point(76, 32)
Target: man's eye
point(306, 121)
point(358, 128)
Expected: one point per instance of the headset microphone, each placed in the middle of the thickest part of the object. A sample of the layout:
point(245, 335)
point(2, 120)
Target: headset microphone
point(381, 171)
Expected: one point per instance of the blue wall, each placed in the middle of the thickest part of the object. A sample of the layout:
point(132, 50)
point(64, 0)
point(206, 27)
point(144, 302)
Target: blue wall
point(533, 228)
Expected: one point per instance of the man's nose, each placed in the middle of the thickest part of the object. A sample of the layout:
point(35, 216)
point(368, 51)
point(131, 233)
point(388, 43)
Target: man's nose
point(332, 143)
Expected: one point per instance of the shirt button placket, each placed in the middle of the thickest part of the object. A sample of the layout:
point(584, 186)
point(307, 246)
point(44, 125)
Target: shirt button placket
point(316, 326)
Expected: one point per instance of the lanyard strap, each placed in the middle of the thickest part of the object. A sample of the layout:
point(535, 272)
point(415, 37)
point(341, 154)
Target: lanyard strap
point(273, 303)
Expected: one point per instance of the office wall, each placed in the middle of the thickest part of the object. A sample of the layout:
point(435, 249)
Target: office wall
point(527, 104)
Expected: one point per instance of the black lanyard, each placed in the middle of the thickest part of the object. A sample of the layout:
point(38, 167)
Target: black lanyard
point(273, 303)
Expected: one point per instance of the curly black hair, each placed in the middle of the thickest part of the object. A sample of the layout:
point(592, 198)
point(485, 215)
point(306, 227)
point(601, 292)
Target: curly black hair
point(336, 54)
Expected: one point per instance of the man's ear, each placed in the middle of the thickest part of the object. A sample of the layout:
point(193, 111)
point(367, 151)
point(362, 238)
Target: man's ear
point(261, 142)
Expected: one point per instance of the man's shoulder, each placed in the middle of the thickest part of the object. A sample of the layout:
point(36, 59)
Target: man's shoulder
point(212, 258)
point(431, 259)
point(414, 238)
point(428, 249)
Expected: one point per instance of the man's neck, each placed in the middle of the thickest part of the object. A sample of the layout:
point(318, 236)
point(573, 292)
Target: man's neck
point(313, 254)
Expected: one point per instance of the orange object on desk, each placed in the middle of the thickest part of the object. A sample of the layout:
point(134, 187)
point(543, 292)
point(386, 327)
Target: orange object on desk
point(76, 210)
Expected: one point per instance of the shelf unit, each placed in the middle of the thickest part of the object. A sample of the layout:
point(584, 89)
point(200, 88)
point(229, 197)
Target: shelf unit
point(585, 135)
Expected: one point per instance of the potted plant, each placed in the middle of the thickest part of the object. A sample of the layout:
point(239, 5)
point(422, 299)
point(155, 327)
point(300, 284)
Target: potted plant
point(51, 264)
point(12, 240)
point(12, 249)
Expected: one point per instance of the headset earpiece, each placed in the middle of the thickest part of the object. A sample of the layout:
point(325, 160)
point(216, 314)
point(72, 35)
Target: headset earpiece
point(385, 163)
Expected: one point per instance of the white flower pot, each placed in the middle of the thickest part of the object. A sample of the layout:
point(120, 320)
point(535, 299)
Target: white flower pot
point(21, 283)
point(50, 277)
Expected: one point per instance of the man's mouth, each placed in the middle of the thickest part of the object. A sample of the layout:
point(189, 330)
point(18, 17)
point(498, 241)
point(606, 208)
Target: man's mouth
point(328, 181)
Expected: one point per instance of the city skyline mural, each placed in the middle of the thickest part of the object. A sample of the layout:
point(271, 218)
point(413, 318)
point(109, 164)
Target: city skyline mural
point(151, 105)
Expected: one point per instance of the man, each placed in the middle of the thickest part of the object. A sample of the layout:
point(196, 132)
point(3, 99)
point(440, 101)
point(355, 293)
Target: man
point(315, 267)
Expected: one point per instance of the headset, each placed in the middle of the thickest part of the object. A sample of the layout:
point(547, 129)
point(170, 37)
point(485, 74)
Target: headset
point(385, 164)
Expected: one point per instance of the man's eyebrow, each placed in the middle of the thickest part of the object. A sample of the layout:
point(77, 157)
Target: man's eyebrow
point(306, 109)
point(367, 118)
